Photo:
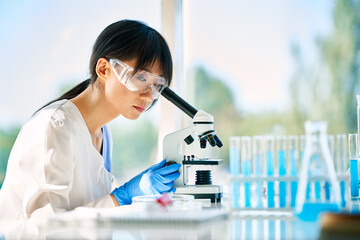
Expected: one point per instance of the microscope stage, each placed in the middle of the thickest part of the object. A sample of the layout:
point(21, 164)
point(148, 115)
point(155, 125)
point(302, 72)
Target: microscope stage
point(196, 189)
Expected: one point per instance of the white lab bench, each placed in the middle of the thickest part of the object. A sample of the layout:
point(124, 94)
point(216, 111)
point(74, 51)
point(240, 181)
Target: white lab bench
point(232, 227)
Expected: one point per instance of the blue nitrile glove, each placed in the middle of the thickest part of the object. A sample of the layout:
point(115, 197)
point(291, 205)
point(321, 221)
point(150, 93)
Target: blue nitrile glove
point(154, 180)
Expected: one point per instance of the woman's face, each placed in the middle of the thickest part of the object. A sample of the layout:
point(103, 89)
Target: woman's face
point(125, 102)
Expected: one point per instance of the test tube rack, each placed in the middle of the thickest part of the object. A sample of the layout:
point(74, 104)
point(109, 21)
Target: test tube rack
point(274, 190)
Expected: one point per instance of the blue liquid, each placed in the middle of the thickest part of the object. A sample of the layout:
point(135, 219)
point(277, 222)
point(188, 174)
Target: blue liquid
point(246, 171)
point(293, 172)
point(316, 158)
point(270, 172)
point(234, 161)
point(355, 207)
point(248, 229)
point(294, 186)
point(235, 170)
point(317, 190)
point(308, 191)
point(271, 229)
point(311, 211)
point(342, 192)
point(282, 229)
point(354, 182)
point(236, 194)
point(327, 190)
point(258, 171)
point(282, 172)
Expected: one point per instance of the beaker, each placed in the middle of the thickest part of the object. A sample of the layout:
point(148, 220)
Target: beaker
point(317, 168)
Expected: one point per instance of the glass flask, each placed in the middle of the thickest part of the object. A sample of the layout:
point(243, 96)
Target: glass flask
point(317, 170)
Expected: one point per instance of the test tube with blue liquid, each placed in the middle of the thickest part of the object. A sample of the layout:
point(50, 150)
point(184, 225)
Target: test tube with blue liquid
point(270, 165)
point(246, 166)
point(331, 142)
point(293, 166)
point(258, 170)
point(281, 157)
point(354, 172)
point(302, 150)
point(235, 168)
point(341, 165)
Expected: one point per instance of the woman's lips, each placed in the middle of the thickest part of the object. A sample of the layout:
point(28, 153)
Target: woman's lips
point(140, 109)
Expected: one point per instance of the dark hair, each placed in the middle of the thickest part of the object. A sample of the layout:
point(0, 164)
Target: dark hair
point(126, 40)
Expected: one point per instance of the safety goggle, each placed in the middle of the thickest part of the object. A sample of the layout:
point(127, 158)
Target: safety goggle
point(140, 82)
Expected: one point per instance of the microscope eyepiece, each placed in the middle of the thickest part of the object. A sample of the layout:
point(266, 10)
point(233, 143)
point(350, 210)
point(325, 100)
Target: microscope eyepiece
point(203, 142)
point(211, 140)
point(218, 141)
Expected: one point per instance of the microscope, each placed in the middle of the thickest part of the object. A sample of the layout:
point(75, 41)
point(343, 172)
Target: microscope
point(192, 148)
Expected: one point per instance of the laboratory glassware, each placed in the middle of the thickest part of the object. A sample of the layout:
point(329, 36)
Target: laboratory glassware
point(281, 160)
point(293, 166)
point(258, 163)
point(245, 160)
point(331, 142)
point(341, 165)
point(270, 168)
point(302, 150)
point(317, 167)
point(354, 172)
point(358, 113)
point(235, 168)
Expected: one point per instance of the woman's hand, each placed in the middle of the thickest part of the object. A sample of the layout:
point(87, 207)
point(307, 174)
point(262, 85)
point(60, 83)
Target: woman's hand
point(154, 180)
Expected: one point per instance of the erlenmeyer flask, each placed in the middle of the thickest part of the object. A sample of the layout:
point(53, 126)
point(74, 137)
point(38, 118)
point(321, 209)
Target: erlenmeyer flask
point(317, 168)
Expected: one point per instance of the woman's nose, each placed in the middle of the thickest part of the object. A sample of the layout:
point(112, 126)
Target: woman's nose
point(147, 95)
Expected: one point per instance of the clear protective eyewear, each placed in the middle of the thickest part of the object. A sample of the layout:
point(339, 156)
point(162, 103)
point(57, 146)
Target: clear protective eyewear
point(139, 82)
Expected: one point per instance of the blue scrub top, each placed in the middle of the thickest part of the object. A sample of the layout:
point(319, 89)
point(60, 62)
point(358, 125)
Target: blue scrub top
point(107, 148)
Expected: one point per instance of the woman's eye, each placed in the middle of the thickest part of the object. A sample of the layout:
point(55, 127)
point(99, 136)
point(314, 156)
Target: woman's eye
point(141, 78)
point(158, 87)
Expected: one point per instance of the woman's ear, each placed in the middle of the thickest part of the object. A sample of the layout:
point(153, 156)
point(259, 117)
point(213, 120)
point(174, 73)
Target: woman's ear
point(103, 69)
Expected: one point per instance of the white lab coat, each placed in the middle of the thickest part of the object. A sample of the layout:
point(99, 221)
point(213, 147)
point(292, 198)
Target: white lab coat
point(53, 167)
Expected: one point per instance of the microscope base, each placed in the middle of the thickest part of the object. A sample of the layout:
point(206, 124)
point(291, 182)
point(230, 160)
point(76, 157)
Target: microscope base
point(212, 192)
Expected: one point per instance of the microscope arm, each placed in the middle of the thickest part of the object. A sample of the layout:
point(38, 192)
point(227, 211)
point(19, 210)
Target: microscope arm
point(173, 143)
point(201, 131)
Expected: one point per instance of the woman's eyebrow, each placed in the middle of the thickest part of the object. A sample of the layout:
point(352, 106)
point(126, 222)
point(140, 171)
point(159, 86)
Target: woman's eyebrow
point(147, 70)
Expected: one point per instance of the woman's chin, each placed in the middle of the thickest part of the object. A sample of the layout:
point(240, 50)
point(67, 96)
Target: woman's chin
point(131, 116)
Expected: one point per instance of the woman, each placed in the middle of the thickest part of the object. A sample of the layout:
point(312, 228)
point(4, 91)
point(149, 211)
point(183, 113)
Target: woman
point(57, 161)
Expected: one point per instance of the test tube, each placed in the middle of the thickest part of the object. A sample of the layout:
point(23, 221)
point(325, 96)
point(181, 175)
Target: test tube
point(331, 142)
point(258, 158)
point(354, 174)
point(358, 113)
point(293, 166)
point(281, 157)
point(302, 151)
point(341, 166)
point(246, 166)
point(235, 168)
point(269, 156)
